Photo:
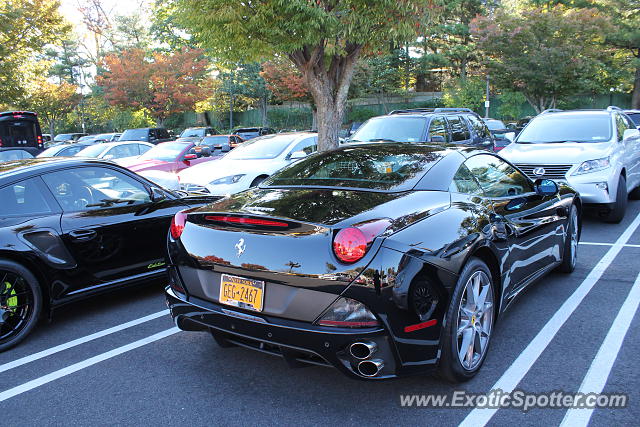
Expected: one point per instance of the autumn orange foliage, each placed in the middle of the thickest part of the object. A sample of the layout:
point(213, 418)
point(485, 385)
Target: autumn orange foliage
point(163, 84)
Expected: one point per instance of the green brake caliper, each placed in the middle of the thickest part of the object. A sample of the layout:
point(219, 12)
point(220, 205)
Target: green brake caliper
point(12, 301)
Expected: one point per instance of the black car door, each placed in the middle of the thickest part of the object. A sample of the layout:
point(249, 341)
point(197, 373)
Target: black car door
point(528, 222)
point(110, 225)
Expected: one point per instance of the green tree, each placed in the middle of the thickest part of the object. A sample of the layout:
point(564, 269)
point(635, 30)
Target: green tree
point(469, 93)
point(448, 41)
point(544, 53)
point(625, 15)
point(68, 62)
point(323, 38)
point(53, 102)
point(25, 28)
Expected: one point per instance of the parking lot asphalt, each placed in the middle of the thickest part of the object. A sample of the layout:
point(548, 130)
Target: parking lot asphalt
point(118, 359)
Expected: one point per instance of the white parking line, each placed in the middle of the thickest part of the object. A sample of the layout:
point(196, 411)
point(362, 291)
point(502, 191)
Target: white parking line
point(76, 342)
point(519, 368)
point(30, 385)
point(600, 368)
point(628, 245)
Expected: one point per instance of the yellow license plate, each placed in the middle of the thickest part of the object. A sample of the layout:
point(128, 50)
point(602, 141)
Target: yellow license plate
point(241, 292)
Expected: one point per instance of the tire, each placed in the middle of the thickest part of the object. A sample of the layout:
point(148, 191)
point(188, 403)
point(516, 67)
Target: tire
point(635, 194)
point(620, 207)
point(571, 238)
point(258, 181)
point(20, 302)
point(456, 337)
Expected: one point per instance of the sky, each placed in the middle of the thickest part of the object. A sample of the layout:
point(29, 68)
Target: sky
point(69, 9)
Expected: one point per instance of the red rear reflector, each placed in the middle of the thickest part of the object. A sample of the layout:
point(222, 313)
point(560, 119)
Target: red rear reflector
point(246, 221)
point(177, 225)
point(422, 325)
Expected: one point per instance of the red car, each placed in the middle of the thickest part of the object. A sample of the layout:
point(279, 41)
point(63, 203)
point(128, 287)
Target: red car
point(172, 156)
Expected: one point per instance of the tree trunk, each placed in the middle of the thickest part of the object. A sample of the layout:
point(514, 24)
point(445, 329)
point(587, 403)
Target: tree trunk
point(314, 117)
point(534, 102)
point(328, 79)
point(52, 127)
point(635, 97)
point(263, 110)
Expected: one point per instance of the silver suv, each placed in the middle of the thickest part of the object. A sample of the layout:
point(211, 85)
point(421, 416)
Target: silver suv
point(596, 151)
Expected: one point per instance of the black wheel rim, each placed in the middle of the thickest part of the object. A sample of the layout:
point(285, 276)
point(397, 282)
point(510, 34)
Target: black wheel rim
point(16, 304)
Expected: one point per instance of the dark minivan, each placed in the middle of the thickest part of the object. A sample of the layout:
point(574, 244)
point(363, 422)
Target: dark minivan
point(21, 129)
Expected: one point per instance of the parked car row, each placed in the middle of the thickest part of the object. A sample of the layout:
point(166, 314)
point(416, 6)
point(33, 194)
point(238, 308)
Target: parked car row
point(392, 255)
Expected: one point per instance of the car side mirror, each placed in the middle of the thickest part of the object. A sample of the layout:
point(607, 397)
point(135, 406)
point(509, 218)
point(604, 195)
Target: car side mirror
point(546, 187)
point(631, 133)
point(157, 195)
point(437, 138)
point(510, 136)
point(190, 157)
point(297, 155)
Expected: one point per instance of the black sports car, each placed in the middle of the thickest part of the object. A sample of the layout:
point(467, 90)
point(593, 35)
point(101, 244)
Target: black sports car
point(381, 260)
point(71, 228)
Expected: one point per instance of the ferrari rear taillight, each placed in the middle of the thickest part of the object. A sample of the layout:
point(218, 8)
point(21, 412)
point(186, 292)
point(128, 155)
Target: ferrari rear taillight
point(351, 244)
point(177, 224)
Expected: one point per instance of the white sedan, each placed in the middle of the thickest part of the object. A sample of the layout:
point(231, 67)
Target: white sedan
point(249, 164)
point(115, 150)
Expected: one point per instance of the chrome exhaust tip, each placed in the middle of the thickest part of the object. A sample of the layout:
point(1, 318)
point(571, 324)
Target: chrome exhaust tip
point(362, 350)
point(370, 368)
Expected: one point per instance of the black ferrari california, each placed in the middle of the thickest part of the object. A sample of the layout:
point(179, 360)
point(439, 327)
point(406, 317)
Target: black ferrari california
point(381, 260)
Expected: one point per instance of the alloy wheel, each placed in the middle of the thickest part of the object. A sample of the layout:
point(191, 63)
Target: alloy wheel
point(16, 304)
point(475, 320)
point(574, 237)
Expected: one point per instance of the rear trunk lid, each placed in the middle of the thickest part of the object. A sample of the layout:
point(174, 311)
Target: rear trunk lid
point(286, 236)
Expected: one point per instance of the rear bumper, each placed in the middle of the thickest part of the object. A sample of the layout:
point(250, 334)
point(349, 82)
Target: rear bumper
point(298, 342)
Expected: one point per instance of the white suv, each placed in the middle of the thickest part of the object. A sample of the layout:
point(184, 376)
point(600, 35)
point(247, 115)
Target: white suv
point(596, 151)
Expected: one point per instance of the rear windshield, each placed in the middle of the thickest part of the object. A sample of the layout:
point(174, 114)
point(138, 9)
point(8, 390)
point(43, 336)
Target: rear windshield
point(91, 151)
point(8, 155)
point(391, 129)
point(18, 132)
point(266, 147)
point(192, 133)
point(390, 169)
point(167, 151)
point(63, 137)
point(135, 135)
point(215, 140)
point(558, 128)
point(494, 124)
